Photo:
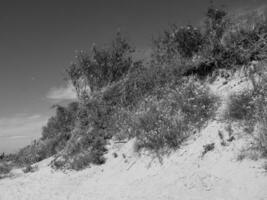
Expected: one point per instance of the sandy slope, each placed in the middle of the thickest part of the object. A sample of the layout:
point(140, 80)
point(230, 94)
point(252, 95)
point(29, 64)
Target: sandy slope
point(184, 174)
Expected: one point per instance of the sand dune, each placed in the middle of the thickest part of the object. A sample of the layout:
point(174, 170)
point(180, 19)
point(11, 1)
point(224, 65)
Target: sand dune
point(182, 175)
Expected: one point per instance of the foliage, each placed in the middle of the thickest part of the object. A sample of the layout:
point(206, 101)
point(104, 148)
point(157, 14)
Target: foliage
point(89, 138)
point(103, 66)
point(139, 83)
point(247, 44)
point(240, 106)
point(220, 43)
point(260, 115)
point(32, 153)
point(84, 148)
point(177, 43)
point(215, 23)
point(207, 148)
point(30, 169)
point(54, 136)
point(168, 121)
point(4, 169)
point(251, 108)
point(62, 123)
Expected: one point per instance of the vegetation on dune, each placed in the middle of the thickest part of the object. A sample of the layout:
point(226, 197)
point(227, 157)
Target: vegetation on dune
point(4, 169)
point(160, 103)
point(55, 135)
point(164, 122)
point(250, 108)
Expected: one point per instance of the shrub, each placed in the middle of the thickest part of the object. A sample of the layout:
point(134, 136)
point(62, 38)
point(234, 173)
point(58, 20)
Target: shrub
point(246, 44)
point(4, 169)
point(32, 153)
point(155, 131)
point(141, 82)
point(197, 103)
point(177, 43)
point(260, 116)
point(95, 113)
point(215, 24)
point(250, 107)
point(30, 169)
point(54, 136)
point(84, 148)
point(164, 123)
point(241, 106)
point(123, 121)
point(89, 138)
point(207, 148)
point(102, 67)
point(59, 127)
point(62, 123)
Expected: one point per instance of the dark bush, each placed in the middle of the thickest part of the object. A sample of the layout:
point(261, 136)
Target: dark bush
point(29, 169)
point(250, 108)
point(167, 121)
point(62, 123)
point(4, 169)
point(103, 66)
point(241, 106)
point(177, 43)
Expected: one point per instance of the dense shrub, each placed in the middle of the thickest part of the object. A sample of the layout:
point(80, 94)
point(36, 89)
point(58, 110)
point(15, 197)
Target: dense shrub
point(139, 83)
point(62, 123)
point(32, 153)
point(103, 66)
point(177, 43)
point(29, 169)
point(87, 144)
point(155, 130)
point(246, 44)
point(250, 107)
point(84, 148)
point(241, 106)
point(198, 49)
point(55, 135)
point(58, 129)
point(261, 111)
point(215, 24)
point(4, 169)
point(220, 43)
point(165, 122)
point(197, 103)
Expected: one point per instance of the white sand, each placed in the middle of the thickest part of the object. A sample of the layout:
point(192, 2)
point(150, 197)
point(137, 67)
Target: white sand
point(182, 175)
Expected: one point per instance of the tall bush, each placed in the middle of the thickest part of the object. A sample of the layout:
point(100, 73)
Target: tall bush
point(103, 66)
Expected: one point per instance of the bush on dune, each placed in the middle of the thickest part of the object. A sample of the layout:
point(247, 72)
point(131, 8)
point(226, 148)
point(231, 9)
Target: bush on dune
point(160, 103)
point(177, 43)
point(166, 122)
point(55, 135)
point(250, 108)
point(261, 112)
point(198, 49)
point(4, 169)
point(221, 42)
point(83, 149)
point(102, 67)
point(240, 106)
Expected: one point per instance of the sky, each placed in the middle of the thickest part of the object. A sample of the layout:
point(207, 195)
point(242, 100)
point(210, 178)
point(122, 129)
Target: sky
point(38, 40)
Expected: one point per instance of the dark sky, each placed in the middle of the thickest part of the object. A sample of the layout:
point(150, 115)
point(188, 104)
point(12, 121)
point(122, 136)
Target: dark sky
point(38, 40)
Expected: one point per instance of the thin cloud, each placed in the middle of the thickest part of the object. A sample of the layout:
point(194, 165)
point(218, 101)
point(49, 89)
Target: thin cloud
point(20, 130)
point(18, 137)
point(66, 92)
